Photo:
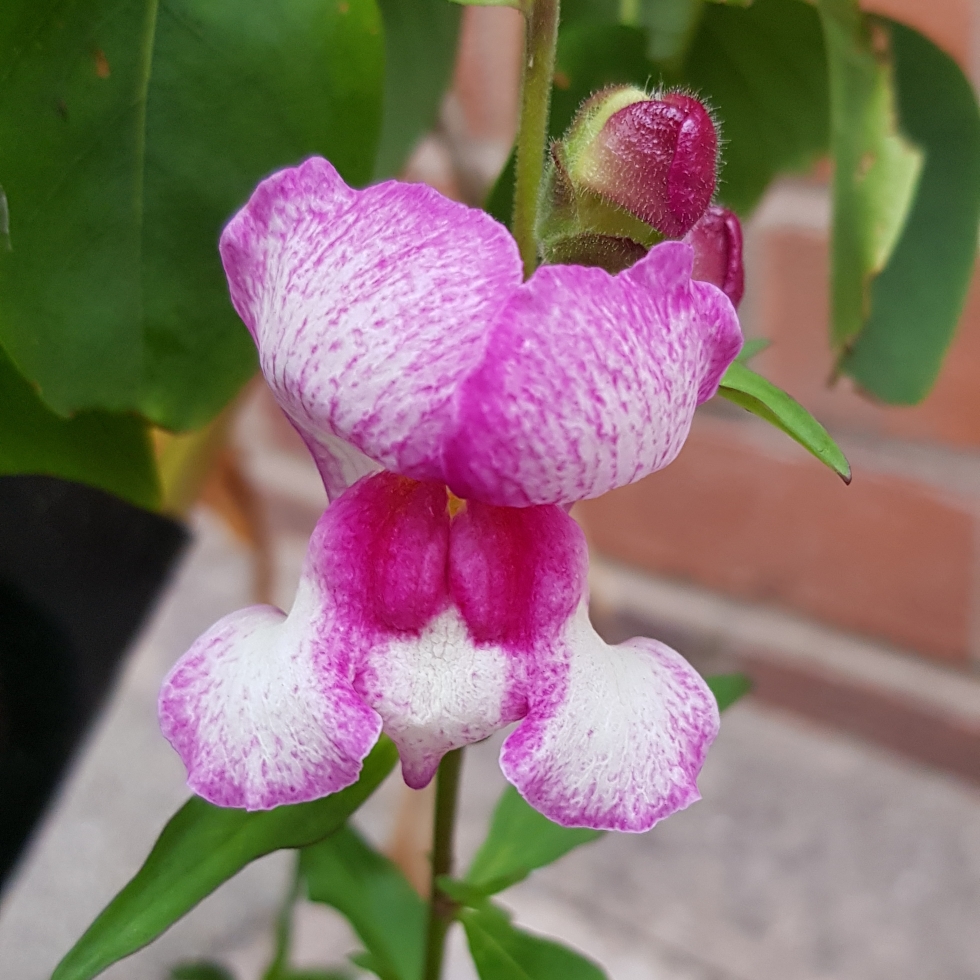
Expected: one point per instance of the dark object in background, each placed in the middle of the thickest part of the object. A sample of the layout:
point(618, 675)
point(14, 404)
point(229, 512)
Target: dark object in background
point(79, 569)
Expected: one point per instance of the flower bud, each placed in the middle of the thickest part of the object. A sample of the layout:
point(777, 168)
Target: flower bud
point(717, 243)
point(654, 157)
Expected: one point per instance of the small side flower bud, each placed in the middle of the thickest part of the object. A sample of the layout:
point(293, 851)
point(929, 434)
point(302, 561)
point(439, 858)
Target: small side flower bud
point(654, 157)
point(717, 243)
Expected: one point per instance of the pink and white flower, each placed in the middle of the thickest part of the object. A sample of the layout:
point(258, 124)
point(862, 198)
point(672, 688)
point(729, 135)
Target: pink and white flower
point(454, 412)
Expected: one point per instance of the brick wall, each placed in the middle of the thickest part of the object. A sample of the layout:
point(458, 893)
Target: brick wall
point(745, 512)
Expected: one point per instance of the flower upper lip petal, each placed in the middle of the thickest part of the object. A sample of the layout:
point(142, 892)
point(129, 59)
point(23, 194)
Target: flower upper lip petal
point(369, 307)
point(395, 320)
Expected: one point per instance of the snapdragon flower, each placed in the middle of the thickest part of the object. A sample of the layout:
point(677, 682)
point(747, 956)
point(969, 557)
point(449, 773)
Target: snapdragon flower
point(455, 412)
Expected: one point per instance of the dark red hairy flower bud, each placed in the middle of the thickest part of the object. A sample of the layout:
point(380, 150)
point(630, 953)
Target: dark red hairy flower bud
point(655, 158)
point(717, 243)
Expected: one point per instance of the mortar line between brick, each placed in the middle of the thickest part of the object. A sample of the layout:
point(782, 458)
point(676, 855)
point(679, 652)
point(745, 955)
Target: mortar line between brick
point(784, 637)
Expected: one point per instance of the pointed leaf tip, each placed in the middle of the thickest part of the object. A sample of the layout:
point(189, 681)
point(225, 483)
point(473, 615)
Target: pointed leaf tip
point(755, 394)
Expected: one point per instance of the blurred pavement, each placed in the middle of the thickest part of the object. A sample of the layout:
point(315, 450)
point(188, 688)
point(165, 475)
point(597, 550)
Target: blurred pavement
point(811, 855)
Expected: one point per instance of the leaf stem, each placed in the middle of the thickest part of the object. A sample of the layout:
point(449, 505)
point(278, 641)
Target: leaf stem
point(541, 40)
point(284, 927)
point(442, 909)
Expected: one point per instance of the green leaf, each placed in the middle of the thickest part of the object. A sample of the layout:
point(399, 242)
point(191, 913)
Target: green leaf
point(875, 167)
point(754, 393)
point(500, 951)
point(130, 130)
point(917, 299)
point(112, 452)
point(345, 872)
point(201, 847)
point(751, 348)
point(420, 51)
point(201, 971)
point(728, 688)
point(520, 839)
point(764, 71)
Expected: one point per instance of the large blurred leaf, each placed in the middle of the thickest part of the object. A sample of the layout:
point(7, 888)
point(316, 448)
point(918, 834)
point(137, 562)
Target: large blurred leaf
point(875, 166)
point(420, 50)
point(670, 24)
point(345, 872)
point(130, 130)
point(201, 847)
point(520, 839)
point(500, 951)
point(741, 385)
point(112, 452)
point(764, 70)
point(917, 300)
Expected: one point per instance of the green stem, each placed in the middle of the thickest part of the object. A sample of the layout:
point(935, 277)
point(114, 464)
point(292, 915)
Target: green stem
point(541, 39)
point(442, 909)
point(284, 928)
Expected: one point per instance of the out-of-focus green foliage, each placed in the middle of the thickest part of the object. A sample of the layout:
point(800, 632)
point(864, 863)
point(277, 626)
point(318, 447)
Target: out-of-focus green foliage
point(129, 133)
point(110, 451)
point(915, 302)
point(420, 51)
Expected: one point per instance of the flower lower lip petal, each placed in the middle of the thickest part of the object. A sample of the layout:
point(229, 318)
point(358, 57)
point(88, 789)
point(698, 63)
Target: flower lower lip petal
point(260, 717)
point(615, 737)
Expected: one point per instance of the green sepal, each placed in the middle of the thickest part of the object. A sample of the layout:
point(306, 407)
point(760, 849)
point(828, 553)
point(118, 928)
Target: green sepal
point(200, 848)
point(755, 394)
point(501, 951)
point(346, 873)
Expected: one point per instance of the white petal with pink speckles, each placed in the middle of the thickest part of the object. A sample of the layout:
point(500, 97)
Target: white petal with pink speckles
point(615, 736)
point(395, 320)
point(261, 708)
point(590, 381)
point(436, 692)
point(367, 307)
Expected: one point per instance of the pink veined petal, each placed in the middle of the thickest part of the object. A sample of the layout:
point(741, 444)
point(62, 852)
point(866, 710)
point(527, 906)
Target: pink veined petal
point(590, 381)
point(368, 307)
point(261, 709)
point(614, 737)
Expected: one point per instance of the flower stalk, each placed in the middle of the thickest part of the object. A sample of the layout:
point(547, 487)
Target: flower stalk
point(541, 40)
point(442, 909)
